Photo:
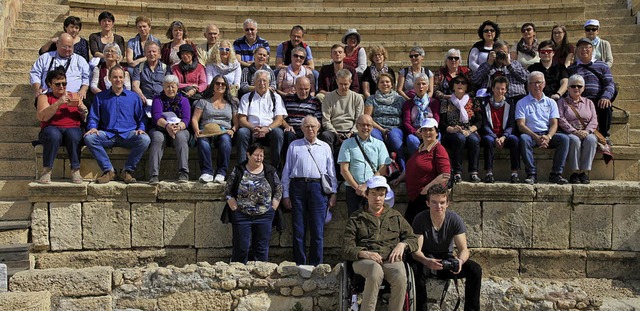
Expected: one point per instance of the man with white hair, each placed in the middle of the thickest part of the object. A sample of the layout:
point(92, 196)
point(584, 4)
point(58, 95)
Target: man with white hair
point(204, 50)
point(537, 117)
point(245, 45)
point(260, 115)
point(75, 67)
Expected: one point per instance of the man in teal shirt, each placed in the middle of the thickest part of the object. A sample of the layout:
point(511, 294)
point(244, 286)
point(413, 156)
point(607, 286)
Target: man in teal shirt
point(354, 166)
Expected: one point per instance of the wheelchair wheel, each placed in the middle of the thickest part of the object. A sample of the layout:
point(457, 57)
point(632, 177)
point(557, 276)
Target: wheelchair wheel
point(410, 296)
point(345, 292)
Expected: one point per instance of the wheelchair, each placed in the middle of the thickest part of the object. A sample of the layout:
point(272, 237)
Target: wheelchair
point(352, 286)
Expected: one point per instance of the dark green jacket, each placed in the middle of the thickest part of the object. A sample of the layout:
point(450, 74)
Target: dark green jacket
point(366, 232)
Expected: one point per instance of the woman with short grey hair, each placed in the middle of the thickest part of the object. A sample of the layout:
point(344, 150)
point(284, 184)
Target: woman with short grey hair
point(579, 120)
point(451, 69)
point(100, 76)
point(407, 75)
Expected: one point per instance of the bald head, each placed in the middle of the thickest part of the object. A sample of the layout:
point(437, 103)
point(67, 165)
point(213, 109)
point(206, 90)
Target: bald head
point(65, 45)
point(212, 33)
point(303, 87)
point(364, 124)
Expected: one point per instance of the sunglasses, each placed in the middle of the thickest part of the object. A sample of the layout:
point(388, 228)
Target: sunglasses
point(460, 82)
point(575, 86)
point(224, 49)
point(60, 84)
point(220, 84)
point(527, 29)
point(453, 58)
point(414, 55)
point(298, 56)
point(590, 29)
point(489, 30)
point(249, 29)
point(545, 52)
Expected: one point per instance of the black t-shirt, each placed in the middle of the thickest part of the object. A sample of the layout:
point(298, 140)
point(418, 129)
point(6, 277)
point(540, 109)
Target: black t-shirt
point(438, 243)
point(552, 76)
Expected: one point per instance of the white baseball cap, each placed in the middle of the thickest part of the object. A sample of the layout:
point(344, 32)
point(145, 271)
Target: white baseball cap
point(379, 181)
point(429, 123)
point(592, 22)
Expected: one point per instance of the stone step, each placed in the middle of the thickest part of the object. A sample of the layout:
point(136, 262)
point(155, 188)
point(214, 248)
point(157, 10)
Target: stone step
point(7, 225)
point(19, 133)
point(12, 89)
point(16, 257)
point(15, 210)
point(19, 118)
point(18, 150)
point(14, 232)
point(14, 188)
point(16, 103)
point(55, 16)
point(20, 168)
point(634, 136)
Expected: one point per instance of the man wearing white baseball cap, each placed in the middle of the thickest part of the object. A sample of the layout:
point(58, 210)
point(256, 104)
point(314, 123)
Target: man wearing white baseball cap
point(375, 239)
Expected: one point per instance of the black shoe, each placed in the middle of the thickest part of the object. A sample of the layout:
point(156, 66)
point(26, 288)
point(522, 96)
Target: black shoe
point(154, 180)
point(557, 179)
point(530, 180)
point(584, 178)
point(489, 179)
point(474, 178)
point(457, 179)
point(515, 179)
point(574, 178)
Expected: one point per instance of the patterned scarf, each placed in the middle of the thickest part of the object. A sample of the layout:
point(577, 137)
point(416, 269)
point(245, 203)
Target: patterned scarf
point(526, 49)
point(423, 108)
point(225, 69)
point(375, 73)
point(172, 104)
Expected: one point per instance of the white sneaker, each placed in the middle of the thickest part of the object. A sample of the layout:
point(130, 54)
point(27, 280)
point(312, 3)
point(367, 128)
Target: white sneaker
point(205, 178)
point(219, 178)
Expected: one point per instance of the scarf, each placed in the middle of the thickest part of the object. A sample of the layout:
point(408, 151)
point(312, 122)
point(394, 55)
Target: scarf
point(294, 77)
point(184, 68)
point(497, 105)
point(223, 69)
point(375, 73)
point(172, 104)
point(460, 103)
point(423, 108)
point(526, 49)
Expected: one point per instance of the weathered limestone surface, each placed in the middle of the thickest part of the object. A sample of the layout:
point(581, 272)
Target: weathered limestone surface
point(65, 226)
point(19, 210)
point(15, 236)
point(497, 262)
point(591, 226)
point(551, 225)
point(602, 193)
point(507, 224)
point(608, 264)
point(210, 232)
point(192, 191)
point(471, 212)
point(494, 192)
point(178, 224)
point(142, 193)
point(115, 258)
point(94, 281)
point(626, 227)
point(40, 226)
point(562, 264)
point(107, 192)
point(106, 225)
point(254, 302)
point(553, 193)
point(101, 303)
point(57, 192)
point(195, 301)
point(147, 224)
point(31, 301)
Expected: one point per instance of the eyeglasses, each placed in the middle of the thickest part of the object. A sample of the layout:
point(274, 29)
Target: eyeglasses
point(220, 84)
point(585, 47)
point(590, 29)
point(110, 52)
point(537, 83)
point(298, 56)
point(527, 29)
point(365, 125)
point(60, 84)
point(224, 49)
point(249, 29)
point(575, 86)
point(414, 55)
point(489, 30)
point(545, 52)
point(453, 58)
point(460, 82)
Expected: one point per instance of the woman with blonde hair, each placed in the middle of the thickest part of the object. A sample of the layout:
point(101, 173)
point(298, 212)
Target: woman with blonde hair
point(224, 62)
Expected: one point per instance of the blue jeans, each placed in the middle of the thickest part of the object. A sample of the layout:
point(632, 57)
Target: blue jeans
point(511, 142)
point(455, 142)
point(254, 232)
point(51, 137)
point(559, 141)
point(309, 210)
point(223, 144)
point(275, 140)
point(413, 143)
point(137, 143)
point(393, 143)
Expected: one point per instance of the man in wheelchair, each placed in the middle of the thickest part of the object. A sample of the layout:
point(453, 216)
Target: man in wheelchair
point(437, 230)
point(376, 238)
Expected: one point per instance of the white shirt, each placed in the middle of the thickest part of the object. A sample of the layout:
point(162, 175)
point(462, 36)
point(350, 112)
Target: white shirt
point(261, 112)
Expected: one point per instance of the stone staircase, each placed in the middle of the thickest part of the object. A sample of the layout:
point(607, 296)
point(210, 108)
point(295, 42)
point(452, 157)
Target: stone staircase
point(436, 25)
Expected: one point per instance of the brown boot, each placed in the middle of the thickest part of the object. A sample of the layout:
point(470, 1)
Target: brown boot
point(106, 177)
point(127, 177)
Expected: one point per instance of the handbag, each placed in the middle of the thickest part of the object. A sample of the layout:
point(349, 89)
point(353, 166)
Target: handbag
point(602, 147)
point(325, 180)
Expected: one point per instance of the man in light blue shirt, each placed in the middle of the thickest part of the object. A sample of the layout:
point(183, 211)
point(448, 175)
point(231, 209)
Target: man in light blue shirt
point(75, 67)
point(537, 117)
point(308, 159)
point(354, 166)
point(116, 119)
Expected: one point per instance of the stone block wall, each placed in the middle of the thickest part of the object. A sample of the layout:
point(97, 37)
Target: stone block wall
point(548, 231)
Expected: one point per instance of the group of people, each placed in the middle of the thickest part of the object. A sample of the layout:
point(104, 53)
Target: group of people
point(363, 121)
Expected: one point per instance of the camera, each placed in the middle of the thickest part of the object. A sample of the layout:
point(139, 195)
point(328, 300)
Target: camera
point(501, 55)
point(451, 264)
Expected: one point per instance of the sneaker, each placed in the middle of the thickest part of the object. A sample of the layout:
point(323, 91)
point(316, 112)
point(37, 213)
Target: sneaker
point(219, 179)
point(183, 177)
point(106, 177)
point(474, 178)
point(574, 178)
point(205, 178)
point(457, 179)
point(45, 178)
point(557, 179)
point(76, 178)
point(127, 177)
point(530, 180)
point(515, 179)
point(154, 180)
point(584, 178)
point(489, 179)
